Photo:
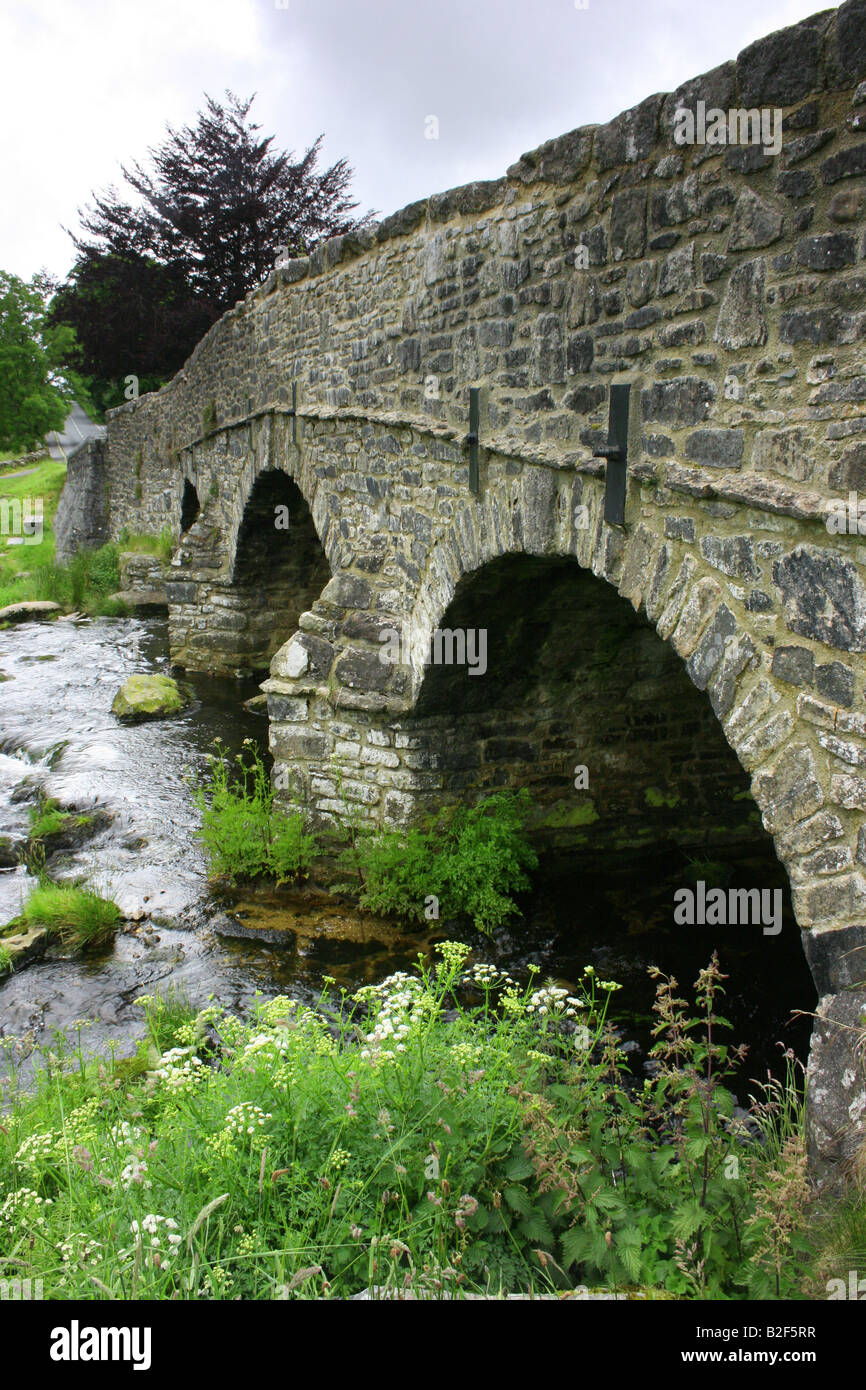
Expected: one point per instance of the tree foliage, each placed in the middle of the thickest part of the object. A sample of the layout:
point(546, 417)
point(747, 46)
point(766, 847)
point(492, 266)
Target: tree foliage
point(200, 225)
point(33, 396)
point(129, 316)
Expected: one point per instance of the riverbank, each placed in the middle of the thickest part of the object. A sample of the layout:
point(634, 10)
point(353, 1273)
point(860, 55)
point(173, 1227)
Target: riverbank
point(92, 581)
point(444, 1134)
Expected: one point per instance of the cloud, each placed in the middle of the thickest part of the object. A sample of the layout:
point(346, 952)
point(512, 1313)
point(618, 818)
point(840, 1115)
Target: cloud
point(90, 84)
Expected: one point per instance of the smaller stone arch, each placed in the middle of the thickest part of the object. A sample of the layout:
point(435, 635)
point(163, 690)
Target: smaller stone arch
point(253, 561)
point(278, 569)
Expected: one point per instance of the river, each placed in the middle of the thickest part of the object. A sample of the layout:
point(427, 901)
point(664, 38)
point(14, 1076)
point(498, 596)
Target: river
point(57, 735)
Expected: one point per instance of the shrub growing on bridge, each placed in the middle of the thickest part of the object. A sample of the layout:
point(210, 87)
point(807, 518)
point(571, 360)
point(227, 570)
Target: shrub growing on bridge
point(470, 859)
point(243, 834)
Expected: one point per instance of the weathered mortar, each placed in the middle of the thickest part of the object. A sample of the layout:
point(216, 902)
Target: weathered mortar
point(726, 285)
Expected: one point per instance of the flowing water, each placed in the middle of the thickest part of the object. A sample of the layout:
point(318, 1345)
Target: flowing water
point(58, 736)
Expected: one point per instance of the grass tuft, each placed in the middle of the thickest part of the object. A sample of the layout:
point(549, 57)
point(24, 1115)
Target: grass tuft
point(80, 917)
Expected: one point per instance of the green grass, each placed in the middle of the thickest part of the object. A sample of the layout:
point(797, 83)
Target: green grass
point(244, 835)
point(843, 1241)
point(85, 584)
point(46, 481)
point(77, 915)
point(143, 544)
point(168, 1014)
point(47, 819)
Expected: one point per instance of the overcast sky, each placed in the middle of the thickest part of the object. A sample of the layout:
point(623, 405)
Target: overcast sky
point(89, 84)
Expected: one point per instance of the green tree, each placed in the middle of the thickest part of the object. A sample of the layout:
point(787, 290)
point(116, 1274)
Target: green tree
point(126, 314)
point(34, 396)
point(202, 225)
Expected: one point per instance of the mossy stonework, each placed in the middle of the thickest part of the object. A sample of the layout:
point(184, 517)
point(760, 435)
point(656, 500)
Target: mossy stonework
point(726, 285)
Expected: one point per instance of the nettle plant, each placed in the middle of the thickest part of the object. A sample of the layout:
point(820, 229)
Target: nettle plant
point(662, 1183)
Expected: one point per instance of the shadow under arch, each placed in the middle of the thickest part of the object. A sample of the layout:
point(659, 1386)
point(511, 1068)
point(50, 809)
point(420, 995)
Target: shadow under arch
point(559, 673)
point(279, 566)
point(636, 792)
point(190, 506)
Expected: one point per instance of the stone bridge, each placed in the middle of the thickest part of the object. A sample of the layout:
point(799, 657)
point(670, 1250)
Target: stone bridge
point(312, 460)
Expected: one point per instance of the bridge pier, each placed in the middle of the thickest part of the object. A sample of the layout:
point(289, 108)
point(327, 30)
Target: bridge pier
point(333, 706)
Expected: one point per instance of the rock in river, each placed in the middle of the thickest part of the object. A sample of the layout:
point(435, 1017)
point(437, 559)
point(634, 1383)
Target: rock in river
point(147, 697)
point(29, 610)
point(19, 948)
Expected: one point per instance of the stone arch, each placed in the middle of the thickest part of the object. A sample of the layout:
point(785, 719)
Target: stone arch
point(270, 449)
point(542, 672)
point(782, 743)
point(279, 567)
point(254, 560)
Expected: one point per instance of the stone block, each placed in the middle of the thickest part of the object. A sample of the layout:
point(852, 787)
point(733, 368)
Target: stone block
point(682, 401)
point(733, 555)
point(287, 710)
point(836, 957)
point(711, 647)
point(755, 224)
point(757, 745)
point(742, 319)
point(809, 834)
point(836, 1087)
point(790, 791)
point(347, 591)
point(379, 757)
point(848, 791)
point(796, 665)
point(697, 611)
point(823, 597)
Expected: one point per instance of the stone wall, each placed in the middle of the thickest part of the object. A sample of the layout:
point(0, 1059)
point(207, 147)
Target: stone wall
point(726, 284)
point(81, 521)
